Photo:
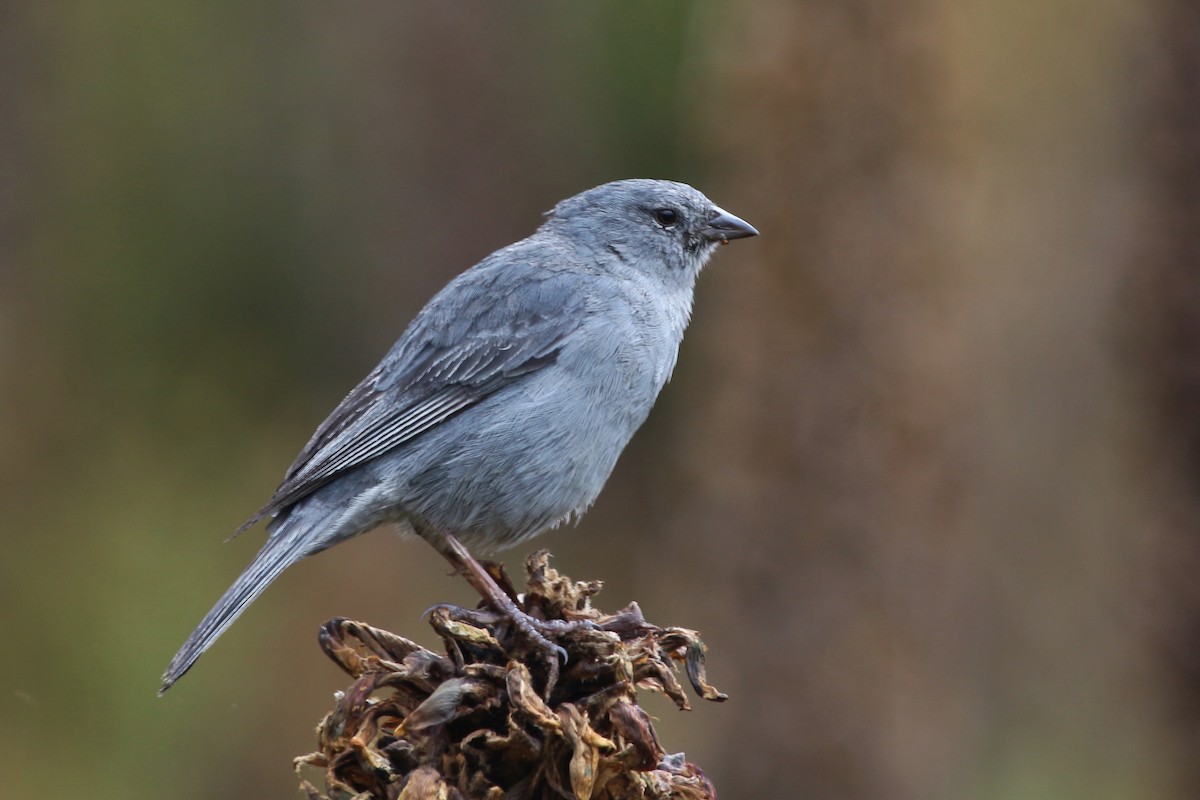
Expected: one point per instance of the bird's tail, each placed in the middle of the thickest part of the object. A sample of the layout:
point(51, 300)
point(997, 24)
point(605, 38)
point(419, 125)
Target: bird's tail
point(283, 548)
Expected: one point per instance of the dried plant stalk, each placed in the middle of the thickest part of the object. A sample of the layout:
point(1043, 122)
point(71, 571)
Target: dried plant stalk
point(473, 723)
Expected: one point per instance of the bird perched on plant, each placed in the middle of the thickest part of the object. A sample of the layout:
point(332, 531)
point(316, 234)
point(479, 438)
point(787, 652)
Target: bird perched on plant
point(503, 408)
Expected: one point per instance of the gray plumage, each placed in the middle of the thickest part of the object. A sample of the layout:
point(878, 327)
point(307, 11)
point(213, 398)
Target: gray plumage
point(503, 408)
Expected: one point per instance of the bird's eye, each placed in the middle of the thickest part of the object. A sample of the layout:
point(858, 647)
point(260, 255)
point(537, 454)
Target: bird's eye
point(666, 216)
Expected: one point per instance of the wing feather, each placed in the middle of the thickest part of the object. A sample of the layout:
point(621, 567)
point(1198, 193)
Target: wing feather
point(473, 339)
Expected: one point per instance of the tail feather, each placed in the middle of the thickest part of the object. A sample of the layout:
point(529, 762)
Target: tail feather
point(279, 553)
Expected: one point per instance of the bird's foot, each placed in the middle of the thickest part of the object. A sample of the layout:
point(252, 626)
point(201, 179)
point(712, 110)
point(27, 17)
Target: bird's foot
point(500, 618)
point(497, 592)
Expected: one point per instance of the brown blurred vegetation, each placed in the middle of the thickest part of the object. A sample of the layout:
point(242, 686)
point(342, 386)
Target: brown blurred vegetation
point(937, 427)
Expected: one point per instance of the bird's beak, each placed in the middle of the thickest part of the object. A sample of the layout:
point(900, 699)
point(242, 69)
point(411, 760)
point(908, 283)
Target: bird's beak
point(723, 226)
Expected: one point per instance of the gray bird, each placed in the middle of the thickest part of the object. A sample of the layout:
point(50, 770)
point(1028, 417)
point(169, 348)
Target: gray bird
point(501, 411)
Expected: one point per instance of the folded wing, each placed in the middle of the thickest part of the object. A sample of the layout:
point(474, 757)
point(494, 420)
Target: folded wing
point(470, 341)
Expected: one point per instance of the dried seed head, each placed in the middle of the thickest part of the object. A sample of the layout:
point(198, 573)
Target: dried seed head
point(473, 725)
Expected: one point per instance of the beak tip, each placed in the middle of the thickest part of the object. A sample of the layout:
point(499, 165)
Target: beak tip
point(723, 226)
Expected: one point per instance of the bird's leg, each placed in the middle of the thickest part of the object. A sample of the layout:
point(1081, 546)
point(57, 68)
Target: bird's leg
point(532, 629)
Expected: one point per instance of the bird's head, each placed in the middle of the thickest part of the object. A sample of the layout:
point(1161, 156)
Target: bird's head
point(649, 224)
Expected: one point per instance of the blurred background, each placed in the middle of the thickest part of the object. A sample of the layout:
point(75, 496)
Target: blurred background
point(927, 478)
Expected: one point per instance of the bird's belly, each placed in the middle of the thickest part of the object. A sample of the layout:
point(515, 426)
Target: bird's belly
point(523, 461)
